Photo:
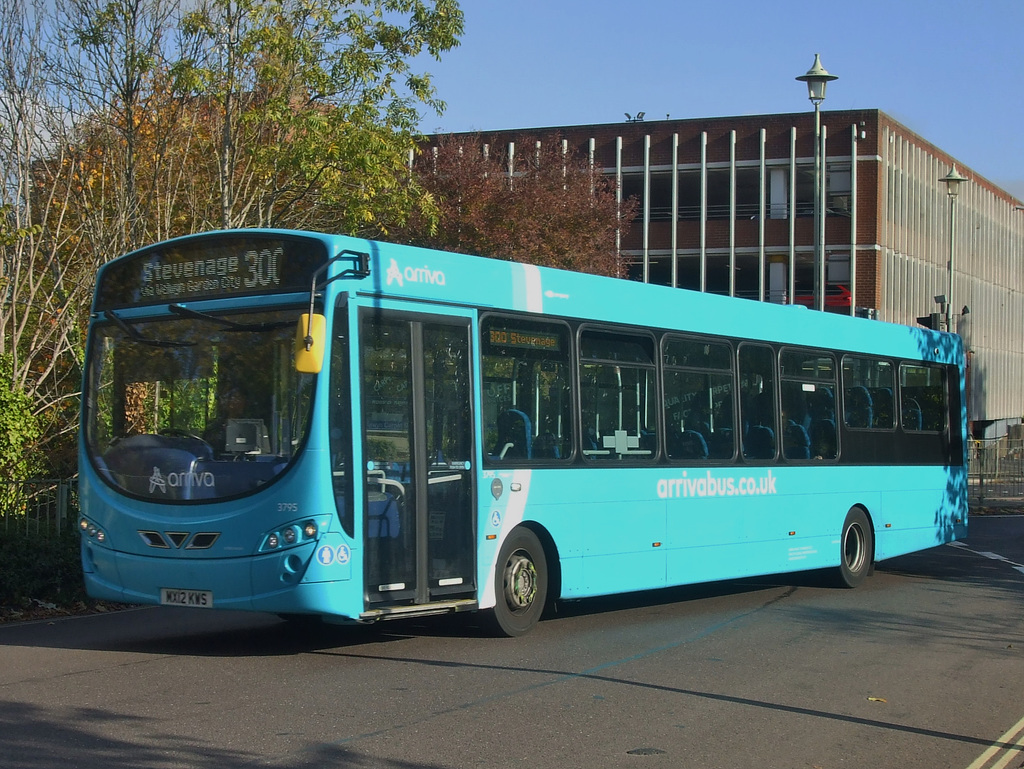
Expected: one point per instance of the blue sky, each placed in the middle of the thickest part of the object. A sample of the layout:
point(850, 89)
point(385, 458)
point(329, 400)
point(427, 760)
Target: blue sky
point(950, 70)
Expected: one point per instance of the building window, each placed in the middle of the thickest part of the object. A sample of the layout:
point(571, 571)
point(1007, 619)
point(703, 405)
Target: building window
point(838, 188)
point(718, 193)
point(661, 197)
point(689, 195)
point(805, 190)
point(633, 187)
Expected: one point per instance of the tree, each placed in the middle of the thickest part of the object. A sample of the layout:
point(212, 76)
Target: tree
point(83, 118)
point(313, 105)
point(542, 205)
point(123, 122)
point(112, 55)
point(43, 293)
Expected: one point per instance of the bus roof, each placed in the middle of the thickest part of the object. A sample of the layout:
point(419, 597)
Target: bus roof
point(410, 272)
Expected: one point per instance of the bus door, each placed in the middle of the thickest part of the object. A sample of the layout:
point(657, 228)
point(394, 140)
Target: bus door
point(418, 520)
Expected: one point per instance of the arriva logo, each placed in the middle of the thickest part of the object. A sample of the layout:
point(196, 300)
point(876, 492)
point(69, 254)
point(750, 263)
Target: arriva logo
point(414, 275)
point(394, 274)
point(190, 480)
point(156, 481)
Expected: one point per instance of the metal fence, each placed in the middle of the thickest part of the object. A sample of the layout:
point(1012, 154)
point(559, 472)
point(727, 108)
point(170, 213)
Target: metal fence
point(996, 472)
point(42, 506)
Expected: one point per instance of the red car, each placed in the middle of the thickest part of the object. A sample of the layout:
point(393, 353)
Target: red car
point(835, 296)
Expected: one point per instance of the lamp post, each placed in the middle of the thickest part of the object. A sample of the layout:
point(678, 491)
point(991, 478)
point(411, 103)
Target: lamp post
point(952, 180)
point(817, 77)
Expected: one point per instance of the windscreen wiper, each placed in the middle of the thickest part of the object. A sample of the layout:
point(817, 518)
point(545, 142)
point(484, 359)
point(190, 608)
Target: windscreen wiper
point(134, 335)
point(230, 325)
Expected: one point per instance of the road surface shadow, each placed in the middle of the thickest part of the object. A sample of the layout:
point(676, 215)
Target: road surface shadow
point(206, 633)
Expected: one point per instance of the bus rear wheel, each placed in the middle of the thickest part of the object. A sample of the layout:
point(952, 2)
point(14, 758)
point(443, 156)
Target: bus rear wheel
point(856, 549)
point(520, 583)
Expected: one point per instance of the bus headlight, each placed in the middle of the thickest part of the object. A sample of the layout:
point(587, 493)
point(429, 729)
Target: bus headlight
point(91, 530)
point(290, 535)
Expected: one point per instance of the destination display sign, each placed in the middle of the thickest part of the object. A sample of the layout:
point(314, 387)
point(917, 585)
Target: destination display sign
point(210, 266)
point(525, 339)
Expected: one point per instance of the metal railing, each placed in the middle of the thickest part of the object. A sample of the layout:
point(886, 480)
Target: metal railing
point(996, 472)
point(44, 506)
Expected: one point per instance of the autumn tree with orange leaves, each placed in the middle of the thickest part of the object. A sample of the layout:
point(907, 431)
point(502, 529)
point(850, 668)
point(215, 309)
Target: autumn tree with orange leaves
point(540, 203)
point(125, 122)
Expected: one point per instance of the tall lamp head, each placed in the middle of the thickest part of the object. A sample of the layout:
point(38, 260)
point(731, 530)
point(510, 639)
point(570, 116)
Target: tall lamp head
point(817, 78)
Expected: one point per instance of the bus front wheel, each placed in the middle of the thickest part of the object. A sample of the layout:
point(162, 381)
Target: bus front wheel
point(520, 583)
point(856, 549)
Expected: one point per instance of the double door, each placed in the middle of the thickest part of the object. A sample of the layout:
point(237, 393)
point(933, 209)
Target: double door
point(418, 427)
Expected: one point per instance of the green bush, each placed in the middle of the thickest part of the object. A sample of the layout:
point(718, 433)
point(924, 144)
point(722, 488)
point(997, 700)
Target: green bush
point(40, 569)
point(19, 429)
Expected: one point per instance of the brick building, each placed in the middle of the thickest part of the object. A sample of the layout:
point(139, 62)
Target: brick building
point(727, 206)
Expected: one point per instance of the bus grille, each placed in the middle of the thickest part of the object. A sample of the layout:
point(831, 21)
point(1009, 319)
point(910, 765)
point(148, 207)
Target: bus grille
point(168, 540)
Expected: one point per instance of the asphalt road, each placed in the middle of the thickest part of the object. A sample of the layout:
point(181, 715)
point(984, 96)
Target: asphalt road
point(920, 667)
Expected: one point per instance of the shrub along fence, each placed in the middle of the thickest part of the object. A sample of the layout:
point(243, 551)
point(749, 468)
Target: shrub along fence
point(47, 507)
point(39, 548)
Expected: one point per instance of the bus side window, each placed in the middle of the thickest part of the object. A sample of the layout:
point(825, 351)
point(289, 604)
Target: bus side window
point(527, 400)
point(699, 412)
point(757, 405)
point(868, 393)
point(808, 404)
point(618, 392)
point(923, 397)
point(824, 433)
point(515, 436)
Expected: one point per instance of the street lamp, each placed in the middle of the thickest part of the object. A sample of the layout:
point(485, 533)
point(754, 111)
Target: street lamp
point(952, 180)
point(817, 78)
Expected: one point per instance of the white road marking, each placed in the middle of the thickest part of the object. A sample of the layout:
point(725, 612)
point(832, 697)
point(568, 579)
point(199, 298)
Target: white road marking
point(1002, 751)
point(991, 556)
point(1002, 744)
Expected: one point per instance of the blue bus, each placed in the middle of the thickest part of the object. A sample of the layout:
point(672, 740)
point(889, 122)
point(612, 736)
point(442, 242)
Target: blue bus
point(315, 425)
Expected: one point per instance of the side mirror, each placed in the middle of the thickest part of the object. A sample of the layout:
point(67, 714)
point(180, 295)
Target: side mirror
point(310, 339)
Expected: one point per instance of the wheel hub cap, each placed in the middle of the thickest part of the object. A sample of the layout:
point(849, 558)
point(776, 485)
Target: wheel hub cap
point(520, 582)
